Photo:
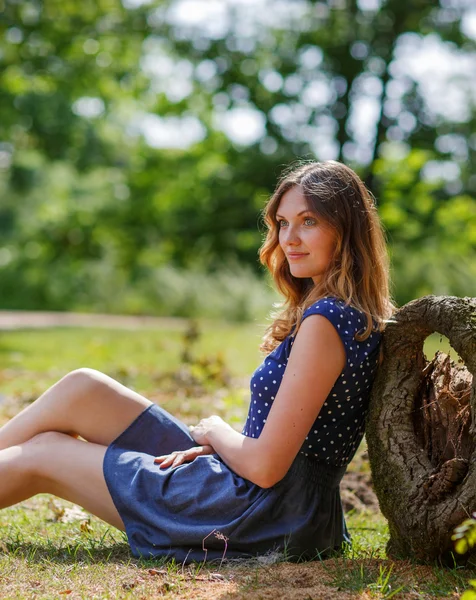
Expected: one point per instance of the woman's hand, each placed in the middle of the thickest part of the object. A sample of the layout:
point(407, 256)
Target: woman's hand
point(182, 456)
point(201, 432)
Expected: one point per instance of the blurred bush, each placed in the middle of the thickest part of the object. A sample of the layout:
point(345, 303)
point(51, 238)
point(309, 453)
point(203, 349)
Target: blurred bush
point(140, 140)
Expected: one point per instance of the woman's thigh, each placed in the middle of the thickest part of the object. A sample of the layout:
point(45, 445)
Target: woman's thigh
point(99, 408)
point(85, 402)
point(72, 469)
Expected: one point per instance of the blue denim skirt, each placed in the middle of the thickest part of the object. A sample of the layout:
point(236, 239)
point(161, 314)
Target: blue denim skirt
point(203, 510)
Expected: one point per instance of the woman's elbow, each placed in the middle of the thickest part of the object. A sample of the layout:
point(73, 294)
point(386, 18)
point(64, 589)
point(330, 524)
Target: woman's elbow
point(267, 483)
point(266, 478)
point(264, 468)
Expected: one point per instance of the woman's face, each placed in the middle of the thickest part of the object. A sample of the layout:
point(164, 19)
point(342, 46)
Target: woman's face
point(307, 242)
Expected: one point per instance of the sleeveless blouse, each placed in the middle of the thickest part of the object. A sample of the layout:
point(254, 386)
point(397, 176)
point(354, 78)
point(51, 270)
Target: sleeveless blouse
point(338, 430)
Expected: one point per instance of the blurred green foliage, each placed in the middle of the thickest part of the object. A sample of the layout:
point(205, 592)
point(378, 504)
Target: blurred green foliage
point(95, 216)
point(464, 537)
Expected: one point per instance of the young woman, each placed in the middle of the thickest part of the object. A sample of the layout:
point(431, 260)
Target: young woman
point(275, 486)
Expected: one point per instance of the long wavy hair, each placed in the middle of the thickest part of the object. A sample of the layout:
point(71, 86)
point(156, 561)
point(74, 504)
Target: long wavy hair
point(358, 272)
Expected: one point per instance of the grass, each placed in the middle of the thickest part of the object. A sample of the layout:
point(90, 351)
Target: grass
point(149, 361)
point(51, 549)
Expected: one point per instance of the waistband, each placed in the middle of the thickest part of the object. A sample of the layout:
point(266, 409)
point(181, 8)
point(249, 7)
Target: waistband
point(316, 472)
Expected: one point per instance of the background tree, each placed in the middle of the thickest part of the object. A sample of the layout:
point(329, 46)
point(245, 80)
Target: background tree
point(136, 137)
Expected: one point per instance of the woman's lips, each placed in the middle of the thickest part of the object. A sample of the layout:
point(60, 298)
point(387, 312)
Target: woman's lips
point(296, 255)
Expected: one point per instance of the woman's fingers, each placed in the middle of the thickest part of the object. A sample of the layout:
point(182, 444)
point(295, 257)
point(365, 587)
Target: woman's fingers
point(180, 456)
point(176, 458)
point(164, 461)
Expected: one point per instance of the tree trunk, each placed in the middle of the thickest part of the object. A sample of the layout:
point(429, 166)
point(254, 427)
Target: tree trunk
point(421, 428)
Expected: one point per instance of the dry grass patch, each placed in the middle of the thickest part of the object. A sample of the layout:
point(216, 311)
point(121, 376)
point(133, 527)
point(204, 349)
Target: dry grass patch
point(54, 550)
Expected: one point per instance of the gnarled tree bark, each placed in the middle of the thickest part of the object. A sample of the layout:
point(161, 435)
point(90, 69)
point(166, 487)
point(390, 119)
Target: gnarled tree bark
point(421, 428)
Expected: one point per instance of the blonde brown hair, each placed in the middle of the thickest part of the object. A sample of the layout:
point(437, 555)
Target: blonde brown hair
point(358, 272)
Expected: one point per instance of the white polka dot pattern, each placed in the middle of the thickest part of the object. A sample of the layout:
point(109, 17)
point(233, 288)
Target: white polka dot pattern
point(339, 427)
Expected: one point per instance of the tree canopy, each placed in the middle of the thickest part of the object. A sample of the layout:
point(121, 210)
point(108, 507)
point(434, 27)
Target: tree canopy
point(138, 136)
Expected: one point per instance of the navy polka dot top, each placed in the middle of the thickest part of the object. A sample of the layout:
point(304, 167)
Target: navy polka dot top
point(339, 427)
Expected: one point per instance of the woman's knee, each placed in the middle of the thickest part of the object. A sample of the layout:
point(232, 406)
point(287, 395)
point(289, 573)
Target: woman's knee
point(82, 381)
point(38, 452)
point(84, 377)
point(46, 439)
point(57, 464)
point(31, 460)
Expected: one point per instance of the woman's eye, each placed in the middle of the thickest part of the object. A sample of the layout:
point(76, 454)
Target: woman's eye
point(281, 223)
point(310, 221)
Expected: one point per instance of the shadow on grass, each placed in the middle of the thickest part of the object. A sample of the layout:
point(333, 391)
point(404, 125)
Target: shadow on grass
point(72, 553)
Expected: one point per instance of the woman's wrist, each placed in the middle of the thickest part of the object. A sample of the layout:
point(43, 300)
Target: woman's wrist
point(218, 431)
point(206, 449)
point(208, 430)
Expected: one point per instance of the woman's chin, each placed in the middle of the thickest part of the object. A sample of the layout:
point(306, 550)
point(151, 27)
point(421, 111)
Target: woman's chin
point(301, 274)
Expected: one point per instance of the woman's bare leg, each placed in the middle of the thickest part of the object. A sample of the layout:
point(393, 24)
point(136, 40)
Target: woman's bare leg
point(85, 402)
point(58, 464)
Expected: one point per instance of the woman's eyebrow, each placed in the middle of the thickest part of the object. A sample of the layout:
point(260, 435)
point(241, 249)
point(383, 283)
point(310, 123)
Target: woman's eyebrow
point(299, 213)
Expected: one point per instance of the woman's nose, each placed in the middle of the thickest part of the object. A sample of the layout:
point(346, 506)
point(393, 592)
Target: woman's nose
point(292, 237)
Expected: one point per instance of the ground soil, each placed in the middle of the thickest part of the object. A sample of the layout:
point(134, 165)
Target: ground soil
point(283, 581)
point(357, 492)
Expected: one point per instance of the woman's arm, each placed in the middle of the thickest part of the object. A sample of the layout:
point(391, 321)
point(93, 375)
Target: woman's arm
point(316, 360)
